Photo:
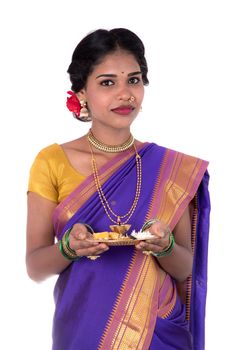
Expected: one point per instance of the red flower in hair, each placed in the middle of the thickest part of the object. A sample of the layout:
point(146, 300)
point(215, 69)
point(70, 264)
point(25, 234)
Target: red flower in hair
point(73, 104)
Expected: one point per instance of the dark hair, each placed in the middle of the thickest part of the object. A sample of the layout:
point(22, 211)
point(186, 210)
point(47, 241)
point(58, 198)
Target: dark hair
point(96, 45)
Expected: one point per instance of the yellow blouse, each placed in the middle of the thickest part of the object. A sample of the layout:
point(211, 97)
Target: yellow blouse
point(52, 175)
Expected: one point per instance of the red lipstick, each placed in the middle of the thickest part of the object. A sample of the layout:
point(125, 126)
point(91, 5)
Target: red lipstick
point(123, 110)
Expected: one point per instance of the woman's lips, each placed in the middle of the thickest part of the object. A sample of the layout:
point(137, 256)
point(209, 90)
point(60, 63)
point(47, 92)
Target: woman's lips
point(123, 110)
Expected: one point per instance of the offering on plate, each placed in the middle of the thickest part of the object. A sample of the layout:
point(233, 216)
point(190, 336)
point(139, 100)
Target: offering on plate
point(107, 235)
point(115, 238)
point(141, 235)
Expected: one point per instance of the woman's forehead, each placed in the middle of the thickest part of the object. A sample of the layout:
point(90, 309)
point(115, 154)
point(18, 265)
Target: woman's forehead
point(119, 61)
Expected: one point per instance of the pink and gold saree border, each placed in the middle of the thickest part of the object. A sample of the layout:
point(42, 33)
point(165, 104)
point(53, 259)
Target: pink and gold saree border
point(175, 188)
point(133, 317)
point(147, 292)
point(188, 289)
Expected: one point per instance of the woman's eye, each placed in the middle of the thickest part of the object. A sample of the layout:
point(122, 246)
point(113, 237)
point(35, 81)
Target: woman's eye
point(107, 83)
point(134, 80)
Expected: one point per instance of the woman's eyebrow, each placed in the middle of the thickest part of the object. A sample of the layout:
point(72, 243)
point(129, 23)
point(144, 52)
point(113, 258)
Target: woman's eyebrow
point(106, 75)
point(114, 75)
point(134, 73)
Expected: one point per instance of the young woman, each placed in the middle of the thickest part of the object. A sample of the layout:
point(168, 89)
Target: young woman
point(150, 295)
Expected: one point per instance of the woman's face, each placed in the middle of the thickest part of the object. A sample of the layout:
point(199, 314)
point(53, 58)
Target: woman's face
point(114, 90)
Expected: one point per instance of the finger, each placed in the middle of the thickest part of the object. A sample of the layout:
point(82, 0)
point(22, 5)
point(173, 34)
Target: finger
point(101, 250)
point(155, 240)
point(161, 242)
point(79, 231)
point(81, 244)
point(157, 230)
point(78, 235)
point(93, 250)
point(160, 230)
point(146, 246)
point(140, 246)
point(90, 235)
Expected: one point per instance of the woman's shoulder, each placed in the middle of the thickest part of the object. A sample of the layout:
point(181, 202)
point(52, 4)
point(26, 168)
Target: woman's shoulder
point(50, 150)
point(49, 158)
point(51, 154)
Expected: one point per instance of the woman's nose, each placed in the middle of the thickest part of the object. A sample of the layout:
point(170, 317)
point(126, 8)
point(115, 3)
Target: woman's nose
point(124, 93)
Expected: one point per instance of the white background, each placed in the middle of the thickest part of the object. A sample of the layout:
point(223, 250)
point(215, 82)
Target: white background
point(188, 107)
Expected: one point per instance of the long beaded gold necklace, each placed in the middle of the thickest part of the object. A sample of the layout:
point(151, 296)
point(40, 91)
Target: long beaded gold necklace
point(120, 221)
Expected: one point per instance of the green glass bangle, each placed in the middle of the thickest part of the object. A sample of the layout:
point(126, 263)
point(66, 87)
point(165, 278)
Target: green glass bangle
point(148, 224)
point(64, 244)
point(61, 249)
point(70, 253)
point(167, 251)
point(67, 242)
point(64, 253)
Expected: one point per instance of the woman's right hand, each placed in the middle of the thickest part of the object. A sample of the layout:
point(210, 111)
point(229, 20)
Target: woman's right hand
point(81, 241)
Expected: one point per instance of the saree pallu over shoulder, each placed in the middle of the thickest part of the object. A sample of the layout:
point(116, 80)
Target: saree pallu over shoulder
point(115, 302)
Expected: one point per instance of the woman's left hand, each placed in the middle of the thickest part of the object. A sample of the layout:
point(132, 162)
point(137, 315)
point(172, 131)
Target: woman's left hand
point(161, 240)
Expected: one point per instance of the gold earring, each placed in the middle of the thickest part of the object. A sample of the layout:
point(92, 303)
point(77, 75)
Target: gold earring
point(84, 113)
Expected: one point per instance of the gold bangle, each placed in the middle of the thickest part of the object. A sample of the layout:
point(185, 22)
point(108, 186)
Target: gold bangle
point(70, 253)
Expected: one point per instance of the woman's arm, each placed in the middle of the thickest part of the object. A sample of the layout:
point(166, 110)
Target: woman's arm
point(180, 261)
point(43, 256)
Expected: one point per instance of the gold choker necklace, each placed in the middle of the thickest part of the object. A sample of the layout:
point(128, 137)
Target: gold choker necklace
point(109, 148)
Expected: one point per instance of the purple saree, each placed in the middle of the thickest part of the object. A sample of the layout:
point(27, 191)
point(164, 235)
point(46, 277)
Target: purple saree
point(124, 300)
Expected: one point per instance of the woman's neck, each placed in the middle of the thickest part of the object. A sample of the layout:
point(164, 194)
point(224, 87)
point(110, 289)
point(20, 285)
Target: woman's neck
point(110, 136)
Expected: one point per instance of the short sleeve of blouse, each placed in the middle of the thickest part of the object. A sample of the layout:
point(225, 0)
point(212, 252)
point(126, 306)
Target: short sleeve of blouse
point(42, 179)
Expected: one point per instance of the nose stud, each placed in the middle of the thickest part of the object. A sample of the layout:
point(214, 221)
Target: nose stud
point(131, 99)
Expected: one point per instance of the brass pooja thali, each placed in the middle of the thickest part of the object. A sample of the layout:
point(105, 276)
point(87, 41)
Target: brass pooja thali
point(116, 239)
